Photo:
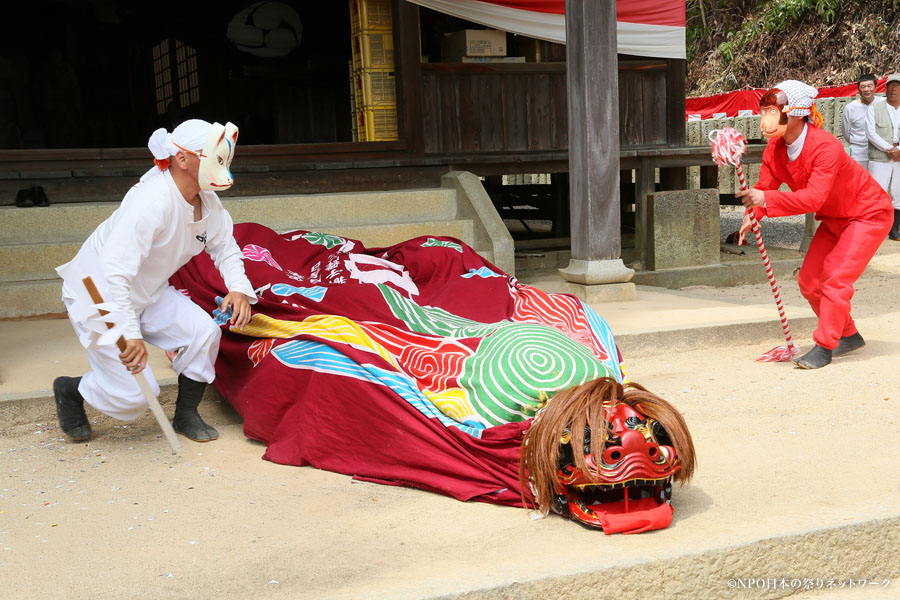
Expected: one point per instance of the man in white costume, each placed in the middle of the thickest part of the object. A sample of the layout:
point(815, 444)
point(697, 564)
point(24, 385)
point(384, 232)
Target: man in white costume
point(853, 119)
point(883, 131)
point(172, 215)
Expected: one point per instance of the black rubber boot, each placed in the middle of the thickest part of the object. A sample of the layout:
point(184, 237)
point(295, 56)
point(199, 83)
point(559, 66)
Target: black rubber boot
point(187, 420)
point(816, 358)
point(894, 233)
point(70, 408)
point(849, 344)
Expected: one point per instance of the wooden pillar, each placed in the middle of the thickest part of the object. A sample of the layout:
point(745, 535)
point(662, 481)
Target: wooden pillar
point(644, 185)
point(676, 79)
point(408, 69)
point(561, 218)
point(593, 103)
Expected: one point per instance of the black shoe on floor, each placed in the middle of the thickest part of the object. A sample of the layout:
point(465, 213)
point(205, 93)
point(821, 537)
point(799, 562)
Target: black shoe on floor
point(816, 358)
point(24, 198)
point(187, 420)
point(39, 196)
point(849, 344)
point(70, 408)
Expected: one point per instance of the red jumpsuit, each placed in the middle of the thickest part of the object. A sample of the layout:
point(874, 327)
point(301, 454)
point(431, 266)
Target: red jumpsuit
point(855, 214)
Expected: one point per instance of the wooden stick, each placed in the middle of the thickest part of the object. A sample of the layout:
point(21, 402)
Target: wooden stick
point(144, 384)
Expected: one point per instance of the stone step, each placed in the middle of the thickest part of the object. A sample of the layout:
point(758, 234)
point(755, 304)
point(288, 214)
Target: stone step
point(541, 260)
point(26, 262)
point(31, 298)
point(322, 211)
point(29, 285)
point(75, 222)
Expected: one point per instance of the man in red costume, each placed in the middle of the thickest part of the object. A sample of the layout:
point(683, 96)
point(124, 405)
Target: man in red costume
point(855, 212)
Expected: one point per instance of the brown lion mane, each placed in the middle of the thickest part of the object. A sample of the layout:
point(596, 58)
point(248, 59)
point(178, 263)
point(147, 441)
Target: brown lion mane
point(578, 407)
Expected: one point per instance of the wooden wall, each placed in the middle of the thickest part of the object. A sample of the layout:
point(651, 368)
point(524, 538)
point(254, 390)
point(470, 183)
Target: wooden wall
point(642, 103)
point(493, 108)
point(522, 107)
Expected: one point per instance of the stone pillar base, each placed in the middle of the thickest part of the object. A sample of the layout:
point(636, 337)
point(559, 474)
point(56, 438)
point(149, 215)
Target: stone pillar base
point(596, 272)
point(610, 292)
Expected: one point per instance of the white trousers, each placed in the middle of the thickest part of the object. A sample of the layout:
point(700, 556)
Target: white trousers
point(887, 174)
point(172, 323)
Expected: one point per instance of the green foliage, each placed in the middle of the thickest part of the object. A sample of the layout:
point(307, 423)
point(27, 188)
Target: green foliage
point(732, 43)
point(782, 13)
point(769, 16)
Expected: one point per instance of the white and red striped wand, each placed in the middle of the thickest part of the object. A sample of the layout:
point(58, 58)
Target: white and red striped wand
point(728, 147)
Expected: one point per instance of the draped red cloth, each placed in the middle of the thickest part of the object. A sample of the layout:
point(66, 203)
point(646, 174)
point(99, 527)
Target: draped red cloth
point(648, 12)
point(345, 341)
point(732, 102)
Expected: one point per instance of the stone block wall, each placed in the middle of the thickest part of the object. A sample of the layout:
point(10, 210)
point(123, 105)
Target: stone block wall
point(684, 228)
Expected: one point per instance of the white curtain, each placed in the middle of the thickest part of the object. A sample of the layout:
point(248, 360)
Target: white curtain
point(658, 41)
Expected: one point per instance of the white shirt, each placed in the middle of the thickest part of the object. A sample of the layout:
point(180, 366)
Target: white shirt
point(794, 149)
point(876, 139)
point(853, 122)
point(152, 235)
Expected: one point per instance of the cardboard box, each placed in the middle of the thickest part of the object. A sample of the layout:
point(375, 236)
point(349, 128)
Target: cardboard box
point(492, 59)
point(473, 42)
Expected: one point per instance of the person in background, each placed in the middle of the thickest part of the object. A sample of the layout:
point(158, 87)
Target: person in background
point(883, 132)
point(853, 120)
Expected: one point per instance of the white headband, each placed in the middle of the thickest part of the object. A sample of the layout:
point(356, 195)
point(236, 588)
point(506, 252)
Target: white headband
point(190, 136)
point(800, 97)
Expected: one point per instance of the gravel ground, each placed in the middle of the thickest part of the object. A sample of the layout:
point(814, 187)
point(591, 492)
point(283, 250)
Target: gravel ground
point(782, 232)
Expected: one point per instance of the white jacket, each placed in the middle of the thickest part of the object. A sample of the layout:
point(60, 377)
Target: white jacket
point(152, 235)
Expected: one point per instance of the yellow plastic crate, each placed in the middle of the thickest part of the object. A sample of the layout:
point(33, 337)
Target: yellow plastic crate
point(377, 123)
point(373, 50)
point(374, 88)
point(370, 15)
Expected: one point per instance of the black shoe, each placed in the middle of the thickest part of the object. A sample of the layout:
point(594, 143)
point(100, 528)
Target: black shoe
point(70, 408)
point(816, 358)
point(39, 196)
point(24, 198)
point(849, 344)
point(187, 420)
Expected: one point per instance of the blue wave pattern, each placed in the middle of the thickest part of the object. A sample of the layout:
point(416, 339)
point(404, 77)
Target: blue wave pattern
point(313, 293)
point(482, 272)
point(604, 334)
point(221, 317)
point(315, 356)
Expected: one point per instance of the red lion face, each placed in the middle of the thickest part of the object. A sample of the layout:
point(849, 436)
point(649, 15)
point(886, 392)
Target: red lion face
point(623, 484)
point(630, 488)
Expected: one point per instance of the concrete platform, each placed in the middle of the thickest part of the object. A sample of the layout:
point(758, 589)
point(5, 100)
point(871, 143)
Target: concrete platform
point(35, 351)
point(798, 479)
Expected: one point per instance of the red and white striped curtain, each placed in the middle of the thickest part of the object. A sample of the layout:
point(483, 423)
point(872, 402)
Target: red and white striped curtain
point(653, 28)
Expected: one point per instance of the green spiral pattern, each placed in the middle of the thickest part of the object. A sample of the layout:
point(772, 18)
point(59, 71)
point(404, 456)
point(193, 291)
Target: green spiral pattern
point(519, 366)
